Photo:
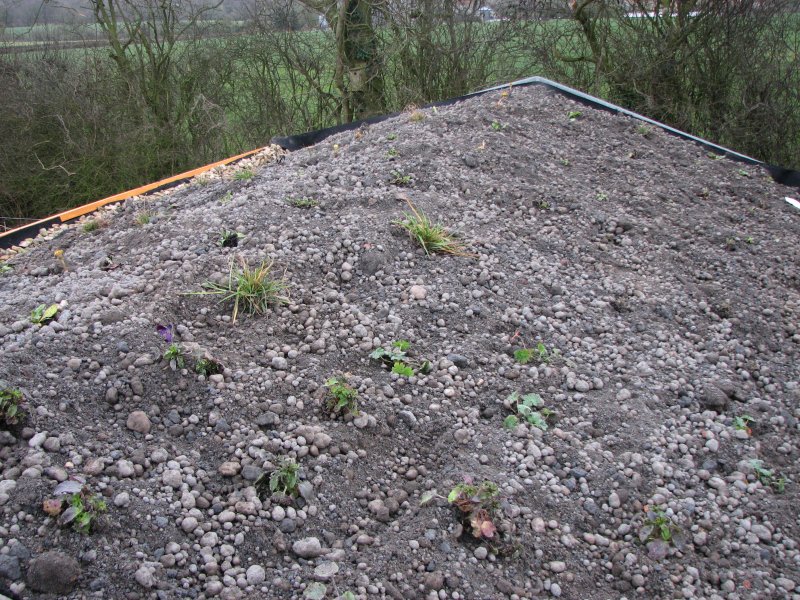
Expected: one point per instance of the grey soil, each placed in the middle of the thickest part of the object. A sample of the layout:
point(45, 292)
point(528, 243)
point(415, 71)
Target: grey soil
point(667, 279)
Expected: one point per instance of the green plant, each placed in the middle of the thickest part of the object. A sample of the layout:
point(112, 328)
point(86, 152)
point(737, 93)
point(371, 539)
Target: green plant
point(91, 226)
point(75, 505)
point(286, 478)
point(602, 196)
point(497, 126)
point(749, 240)
point(392, 152)
point(391, 137)
point(230, 239)
point(396, 358)
point(10, 411)
point(643, 129)
point(574, 115)
point(244, 174)
point(433, 237)
point(42, 314)
point(174, 355)
point(226, 198)
point(251, 288)
point(207, 366)
point(343, 398)
point(659, 531)
point(479, 505)
point(742, 423)
point(416, 116)
point(768, 477)
point(525, 355)
point(743, 173)
point(5, 268)
point(400, 179)
point(303, 202)
point(565, 162)
point(544, 205)
point(524, 407)
point(143, 217)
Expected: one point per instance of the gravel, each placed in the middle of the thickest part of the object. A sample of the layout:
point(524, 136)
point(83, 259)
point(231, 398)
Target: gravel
point(661, 281)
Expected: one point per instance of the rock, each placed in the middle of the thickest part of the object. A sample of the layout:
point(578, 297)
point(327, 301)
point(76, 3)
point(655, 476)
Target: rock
point(53, 573)
point(558, 566)
point(714, 399)
point(326, 571)
point(139, 422)
point(122, 500)
point(279, 363)
point(462, 362)
point(309, 547)
point(9, 567)
point(255, 575)
point(145, 576)
point(172, 478)
point(418, 292)
point(229, 469)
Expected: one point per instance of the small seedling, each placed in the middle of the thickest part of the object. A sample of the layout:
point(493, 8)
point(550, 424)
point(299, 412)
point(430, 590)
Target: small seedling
point(658, 532)
point(643, 130)
point(768, 477)
point(91, 226)
point(251, 288)
point(143, 218)
point(433, 237)
point(59, 254)
point(226, 198)
point(573, 115)
point(244, 174)
point(303, 202)
point(396, 358)
point(565, 162)
point(230, 239)
point(207, 366)
point(416, 116)
point(400, 179)
point(175, 356)
point(342, 397)
point(749, 240)
point(524, 407)
point(392, 153)
point(391, 137)
point(714, 156)
point(75, 505)
point(43, 314)
point(540, 353)
point(5, 268)
point(285, 479)
point(743, 173)
point(544, 205)
point(497, 126)
point(10, 411)
point(602, 196)
point(742, 423)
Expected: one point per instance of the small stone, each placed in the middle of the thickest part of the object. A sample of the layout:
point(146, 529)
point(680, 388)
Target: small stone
point(229, 469)
point(53, 573)
point(255, 575)
point(122, 500)
point(309, 547)
point(326, 571)
point(480, 552)
point(558, 566)
point(418, 292)
point(279, 363)
point(9, 567)
point(145, 577)
point(714, 399)
point(172, 478)
point(139, 422)
point(613, 500)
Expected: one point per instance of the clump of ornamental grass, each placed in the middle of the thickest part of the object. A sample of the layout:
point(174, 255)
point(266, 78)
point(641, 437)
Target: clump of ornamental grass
point(433, 237)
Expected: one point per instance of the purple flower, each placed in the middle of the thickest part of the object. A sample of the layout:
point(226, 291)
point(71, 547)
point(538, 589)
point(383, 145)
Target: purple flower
point(166, 331)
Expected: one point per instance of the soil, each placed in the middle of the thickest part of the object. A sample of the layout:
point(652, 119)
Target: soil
point(661, 281)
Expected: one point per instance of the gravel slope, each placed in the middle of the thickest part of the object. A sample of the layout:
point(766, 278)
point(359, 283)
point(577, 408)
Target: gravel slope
point(663, 283)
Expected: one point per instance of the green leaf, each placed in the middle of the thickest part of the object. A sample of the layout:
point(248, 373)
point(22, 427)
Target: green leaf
point(524, 410)
point(378, 353)
point(523, 356)
point(532, 400)
point(401, 345)
point(510, 422)
point(348, 595)
point(453, 495)
point(537, 420)
point(512, 398)
point(50, 312)
point(402, 369)
point(315, 591)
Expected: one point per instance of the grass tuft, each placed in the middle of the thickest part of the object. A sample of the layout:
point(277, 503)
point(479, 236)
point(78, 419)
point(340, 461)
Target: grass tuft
point(433, 237)
point(252, 289)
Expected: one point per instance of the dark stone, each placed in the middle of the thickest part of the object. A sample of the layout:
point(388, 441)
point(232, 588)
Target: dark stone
point(462, 362)
point(53, 573)
point(9, 567)
point(714, 399)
